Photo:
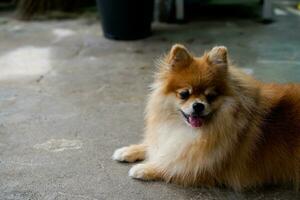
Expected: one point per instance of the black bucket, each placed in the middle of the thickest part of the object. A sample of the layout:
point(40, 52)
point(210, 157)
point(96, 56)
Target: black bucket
point(126, 19)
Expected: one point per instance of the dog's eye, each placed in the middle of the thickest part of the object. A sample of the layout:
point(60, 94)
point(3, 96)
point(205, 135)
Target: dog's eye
point(184, 94)
point(211, 96)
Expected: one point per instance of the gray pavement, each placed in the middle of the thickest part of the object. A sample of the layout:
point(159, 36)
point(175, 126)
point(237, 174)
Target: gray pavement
point(69, 98)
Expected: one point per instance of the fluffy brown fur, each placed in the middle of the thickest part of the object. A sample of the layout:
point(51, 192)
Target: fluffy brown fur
point(250, 136)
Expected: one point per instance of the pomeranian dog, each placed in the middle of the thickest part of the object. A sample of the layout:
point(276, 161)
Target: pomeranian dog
point(209, 123)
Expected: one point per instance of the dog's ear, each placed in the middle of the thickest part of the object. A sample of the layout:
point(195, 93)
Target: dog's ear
point(179, 56)
point(218, 56)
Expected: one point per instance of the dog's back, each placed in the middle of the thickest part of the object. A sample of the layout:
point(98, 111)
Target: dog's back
point(278, 149)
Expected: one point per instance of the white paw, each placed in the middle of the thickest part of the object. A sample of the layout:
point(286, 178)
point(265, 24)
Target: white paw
point(119, 154)
point(137, 171)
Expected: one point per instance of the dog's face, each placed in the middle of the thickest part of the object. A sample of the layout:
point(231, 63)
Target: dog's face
point(198, 84)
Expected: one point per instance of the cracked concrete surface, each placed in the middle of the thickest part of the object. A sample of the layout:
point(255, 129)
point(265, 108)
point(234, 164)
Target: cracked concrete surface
point(62, 84)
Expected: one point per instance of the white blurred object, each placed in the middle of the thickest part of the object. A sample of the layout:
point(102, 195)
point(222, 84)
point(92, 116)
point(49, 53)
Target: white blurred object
point(25, 61)
point(248, 71)
point(279, 12)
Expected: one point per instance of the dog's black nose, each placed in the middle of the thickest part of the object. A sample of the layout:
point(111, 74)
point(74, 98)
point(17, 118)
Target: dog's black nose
point(198, 107)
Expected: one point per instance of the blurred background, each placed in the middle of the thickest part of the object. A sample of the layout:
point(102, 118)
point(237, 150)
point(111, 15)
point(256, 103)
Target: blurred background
point(74, 79)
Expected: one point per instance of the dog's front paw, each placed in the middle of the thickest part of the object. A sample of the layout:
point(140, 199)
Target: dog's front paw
point(137, 171)
point(120, 154)
point(143, 172)
point(130, 154)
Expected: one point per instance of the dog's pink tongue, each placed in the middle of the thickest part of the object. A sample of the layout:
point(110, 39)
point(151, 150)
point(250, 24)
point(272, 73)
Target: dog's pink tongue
point(195, 121)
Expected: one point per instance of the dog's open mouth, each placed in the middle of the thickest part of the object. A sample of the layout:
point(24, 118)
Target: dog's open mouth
point(194, 121)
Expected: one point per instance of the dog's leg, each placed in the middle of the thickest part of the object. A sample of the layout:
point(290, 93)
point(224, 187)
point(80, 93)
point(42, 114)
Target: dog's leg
point(145, 171)
point(130, 153)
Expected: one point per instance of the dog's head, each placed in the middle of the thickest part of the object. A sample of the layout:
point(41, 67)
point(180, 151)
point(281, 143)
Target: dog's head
point(198, 84)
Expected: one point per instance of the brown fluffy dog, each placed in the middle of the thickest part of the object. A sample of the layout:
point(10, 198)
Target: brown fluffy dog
point(208, 123)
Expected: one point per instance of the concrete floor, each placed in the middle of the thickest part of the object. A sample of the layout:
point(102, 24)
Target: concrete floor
point(69, 98)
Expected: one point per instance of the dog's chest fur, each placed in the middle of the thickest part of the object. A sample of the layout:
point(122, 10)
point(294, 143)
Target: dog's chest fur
point(171, 139)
